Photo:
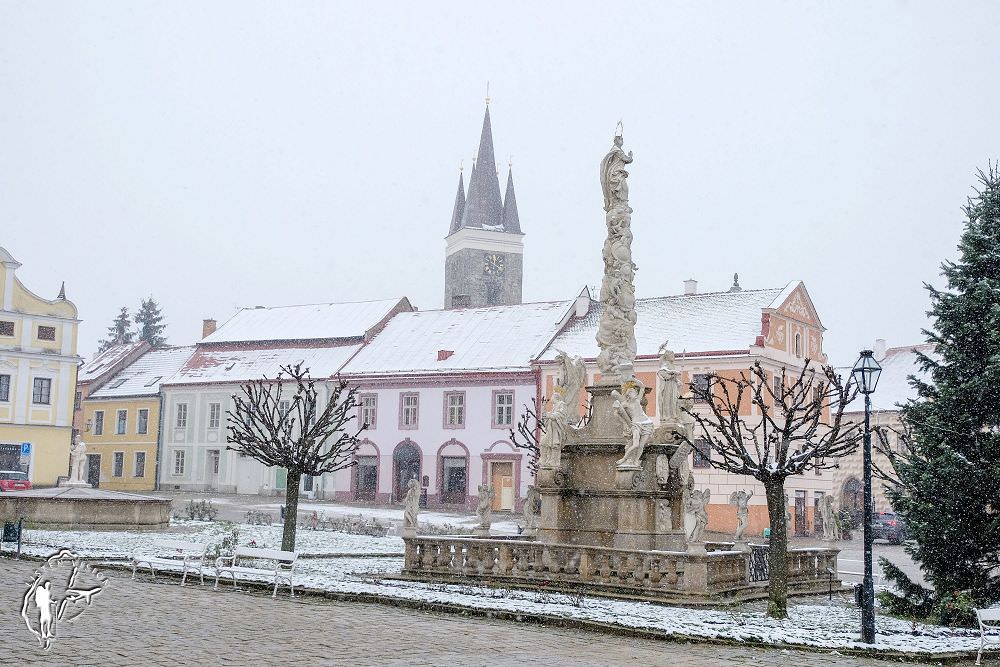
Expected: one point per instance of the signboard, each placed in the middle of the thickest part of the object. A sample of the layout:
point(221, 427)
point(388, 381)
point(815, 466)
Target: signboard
point(25, 449)
point(25, 456)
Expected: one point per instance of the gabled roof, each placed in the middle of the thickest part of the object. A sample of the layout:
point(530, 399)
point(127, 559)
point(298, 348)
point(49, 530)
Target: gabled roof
point(318, 321)
point(497, 338)
point(143, 376)
point(692, 323)
point(110, 360)
point(893, 388)
point(238, 363)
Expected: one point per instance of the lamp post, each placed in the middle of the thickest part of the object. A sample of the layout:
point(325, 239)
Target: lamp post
point(866, 373)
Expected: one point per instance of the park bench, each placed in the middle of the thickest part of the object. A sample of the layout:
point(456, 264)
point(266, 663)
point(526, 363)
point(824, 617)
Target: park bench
point(189, 556)
point(989, 619)
point(283, 566)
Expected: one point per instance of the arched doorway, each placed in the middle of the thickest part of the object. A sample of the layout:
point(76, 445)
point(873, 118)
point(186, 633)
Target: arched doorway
point(405, 466)
point(852, 500)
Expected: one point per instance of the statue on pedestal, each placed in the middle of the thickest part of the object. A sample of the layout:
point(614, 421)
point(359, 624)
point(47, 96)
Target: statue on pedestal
point(484, 510)
point(555, 426)
point(831, 529)
point(742, 501)
point(697, 510)
point(77, 461)
point(638, 425)
point(531, 499)
point(411, 505)
point(668, 390)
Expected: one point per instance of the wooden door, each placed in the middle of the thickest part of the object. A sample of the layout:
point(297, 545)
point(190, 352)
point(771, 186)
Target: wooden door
point(502, 480)
point(94, 470)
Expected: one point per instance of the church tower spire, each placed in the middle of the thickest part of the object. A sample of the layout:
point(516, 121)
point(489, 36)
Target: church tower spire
point(456, 215)
point(511, 223)
point(483, 208)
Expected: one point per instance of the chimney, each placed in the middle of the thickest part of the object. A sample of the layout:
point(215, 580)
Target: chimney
point(690, 286)
point(879, 348)
point(208, 328)
point(444, 354)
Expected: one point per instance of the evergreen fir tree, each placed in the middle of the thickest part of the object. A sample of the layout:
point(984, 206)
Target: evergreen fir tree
point(150, 321)
point(119, 332)
point(947, 485)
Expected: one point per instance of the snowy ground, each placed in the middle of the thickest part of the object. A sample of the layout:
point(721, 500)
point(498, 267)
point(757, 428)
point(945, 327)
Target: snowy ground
point(355, 564)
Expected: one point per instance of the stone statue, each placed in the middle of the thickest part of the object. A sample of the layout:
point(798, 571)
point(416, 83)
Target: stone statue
point(742, 501)
point(616, 328)
point(574, 378)
point(531, 499)
point(831, 528)
point(668, 389)
point(411, 505)
point(697, 510)
point(686, 405)
point(555, 427)
point(77, 461)
point(638, 425)
point(484, 510)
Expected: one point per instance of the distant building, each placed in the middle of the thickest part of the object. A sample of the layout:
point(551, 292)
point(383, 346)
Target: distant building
point(484, 254)
point(122, 421)
point(38, 364)
point(722, 333)
point(95, 373)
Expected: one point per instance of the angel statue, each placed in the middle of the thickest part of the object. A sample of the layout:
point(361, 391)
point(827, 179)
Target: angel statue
point(742, 501)
point(697, 510)
point(574, 378)
point(668, 388)
point(638, 425)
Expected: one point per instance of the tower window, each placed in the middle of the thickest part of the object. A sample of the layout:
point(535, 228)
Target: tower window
point(461, 301)
point(493, 293)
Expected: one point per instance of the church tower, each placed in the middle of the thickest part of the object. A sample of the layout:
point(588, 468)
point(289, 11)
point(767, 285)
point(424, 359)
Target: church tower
point(483, 256)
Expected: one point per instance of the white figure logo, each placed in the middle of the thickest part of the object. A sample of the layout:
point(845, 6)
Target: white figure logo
point(61, 590)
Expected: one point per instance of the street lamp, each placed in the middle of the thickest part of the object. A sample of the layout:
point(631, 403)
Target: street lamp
point(866, 373)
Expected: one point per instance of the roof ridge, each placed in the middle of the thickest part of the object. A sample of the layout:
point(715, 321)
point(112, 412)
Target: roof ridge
point(318, 303)
point(725, 292)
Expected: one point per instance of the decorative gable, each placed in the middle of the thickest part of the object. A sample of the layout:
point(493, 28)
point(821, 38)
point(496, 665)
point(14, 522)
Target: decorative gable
point(799, 306)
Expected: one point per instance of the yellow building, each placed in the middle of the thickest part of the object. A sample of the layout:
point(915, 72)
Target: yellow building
point(38, 363)
point(121, 422)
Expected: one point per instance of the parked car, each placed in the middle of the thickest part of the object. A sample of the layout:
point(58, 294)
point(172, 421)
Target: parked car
point(888, 526)
point(14, 480)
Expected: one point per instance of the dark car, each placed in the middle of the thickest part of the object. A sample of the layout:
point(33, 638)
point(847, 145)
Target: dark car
point(14, 480)
point(888, 526)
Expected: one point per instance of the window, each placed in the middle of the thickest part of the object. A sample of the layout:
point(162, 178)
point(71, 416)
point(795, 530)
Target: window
point(142, 424)
point(409, 410)
point(41, 391)
point(701, 382)
point(179, 462)
point(214, 414)
point(818, 392)
point(182, 415)
point(454, 403)
point(454, 479)
point(503, 408)
point(99, 422)
point(6, 328)
point(119, 465)
point(283, 407)
point(369, 403)
point(77, 399)
point(154, 381)
point(117, 383)
point(798, 345)
point(122, 422)
point(4, 387)
point(139, 469)
point(461, 301)
point(702, 454)
point(779, 387)
point(46, 333)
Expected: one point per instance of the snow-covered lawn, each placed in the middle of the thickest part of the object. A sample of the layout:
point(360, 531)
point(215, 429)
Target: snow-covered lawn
point(358, 569)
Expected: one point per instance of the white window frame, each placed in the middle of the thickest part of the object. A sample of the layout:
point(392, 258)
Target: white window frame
point(454, 409)
point(142, 421)
point(99, 422)
point(503, 413)
point(181, 415)
point(136, 469)
point(368, 410)
point(179, 456)
point(121, 425)
point(118, 464)
point(36, 383)
point(214, 415)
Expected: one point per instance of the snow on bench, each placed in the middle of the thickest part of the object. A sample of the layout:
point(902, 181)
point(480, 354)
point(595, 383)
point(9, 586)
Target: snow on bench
point(284, 566)
point(989, 619)
point(189, 556)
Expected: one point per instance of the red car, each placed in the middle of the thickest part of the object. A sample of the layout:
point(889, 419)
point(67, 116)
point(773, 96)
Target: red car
point(14, 480)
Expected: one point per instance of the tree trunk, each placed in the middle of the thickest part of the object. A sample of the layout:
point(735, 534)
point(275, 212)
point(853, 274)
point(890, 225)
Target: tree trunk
point(291, 510)
point(777, 554)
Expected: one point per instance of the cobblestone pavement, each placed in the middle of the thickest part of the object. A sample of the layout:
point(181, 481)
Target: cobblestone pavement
point(147, 623)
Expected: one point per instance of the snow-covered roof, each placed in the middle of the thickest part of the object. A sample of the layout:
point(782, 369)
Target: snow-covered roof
point(107, 360)
point(144, 375)
point(497, 338)
point(239, 363)
point(695, 323)
point(318, 321)
point(893, 388)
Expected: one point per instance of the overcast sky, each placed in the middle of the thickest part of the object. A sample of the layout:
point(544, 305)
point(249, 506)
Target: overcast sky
point(227, 154)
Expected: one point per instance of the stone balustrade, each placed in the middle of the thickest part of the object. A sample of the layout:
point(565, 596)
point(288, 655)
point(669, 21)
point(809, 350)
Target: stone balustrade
point(654, 575)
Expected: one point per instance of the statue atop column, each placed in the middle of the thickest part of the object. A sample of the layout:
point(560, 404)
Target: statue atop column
point(616, 330)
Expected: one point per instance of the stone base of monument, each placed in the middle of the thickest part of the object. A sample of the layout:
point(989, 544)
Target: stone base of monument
point(479, 531)
point(73, 483)
point(75, 507)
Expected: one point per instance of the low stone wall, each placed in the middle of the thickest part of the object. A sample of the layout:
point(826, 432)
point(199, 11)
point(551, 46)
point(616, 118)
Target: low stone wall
point(86, 514)
point(663, 576)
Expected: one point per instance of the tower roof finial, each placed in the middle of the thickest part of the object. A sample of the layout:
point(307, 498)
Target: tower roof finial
point(487, 92)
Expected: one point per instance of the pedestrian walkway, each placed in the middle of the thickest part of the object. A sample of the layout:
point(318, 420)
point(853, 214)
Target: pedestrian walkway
point(142, 622)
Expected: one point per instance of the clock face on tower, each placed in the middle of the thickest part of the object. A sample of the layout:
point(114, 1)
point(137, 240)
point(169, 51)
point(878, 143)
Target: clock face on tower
point(494, 265)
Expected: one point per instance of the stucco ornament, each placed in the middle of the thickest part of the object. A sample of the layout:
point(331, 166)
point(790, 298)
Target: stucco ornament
point(531, 499)
point(696, 507)
point(484, 510)
point(742, 501)
point(411, 504)
point(668, 390)
point(616, 329)
point(77, 460)
point(638, 425)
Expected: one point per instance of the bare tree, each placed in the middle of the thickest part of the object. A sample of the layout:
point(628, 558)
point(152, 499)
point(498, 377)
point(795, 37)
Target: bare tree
point(300, 436)
point(797, 427)
point(528, 435)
